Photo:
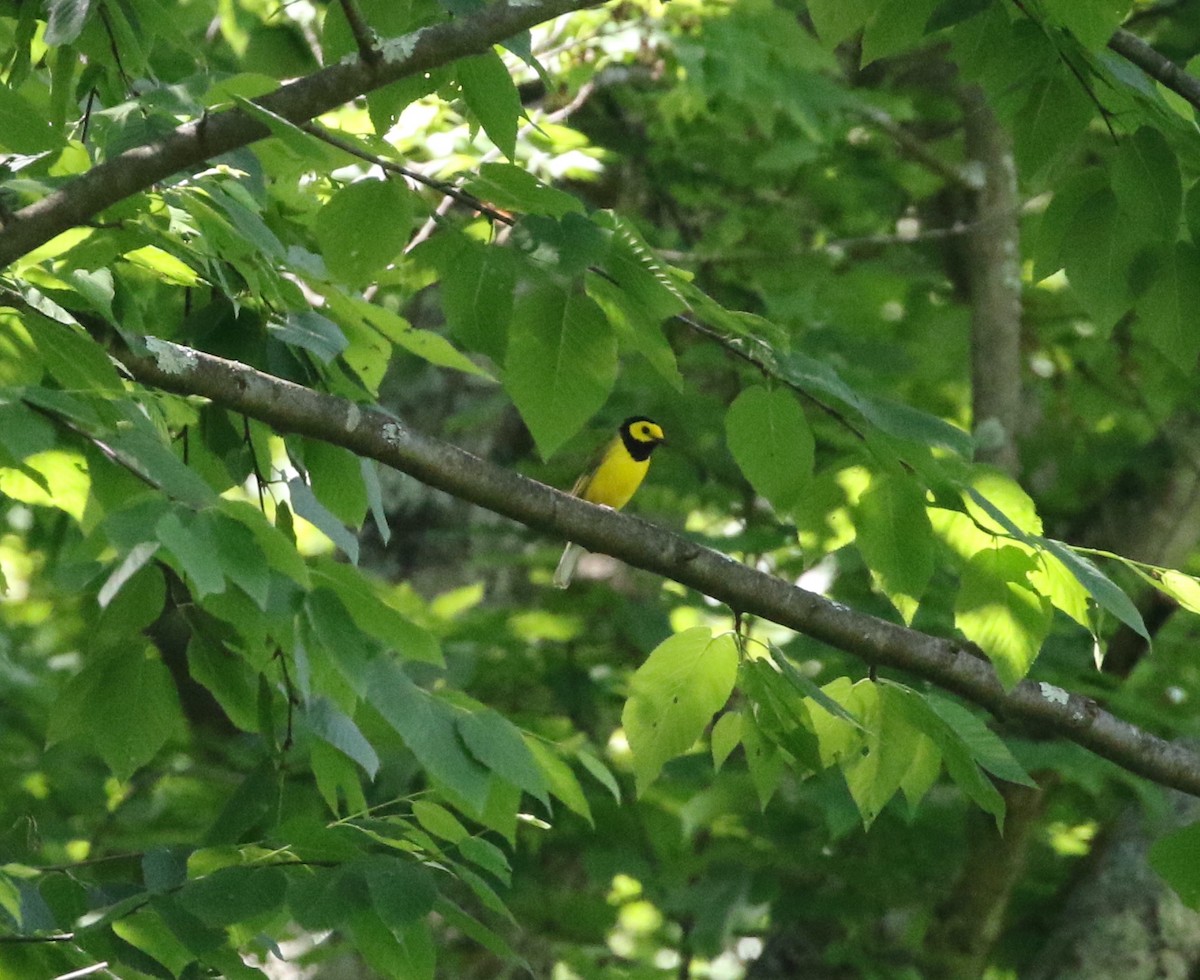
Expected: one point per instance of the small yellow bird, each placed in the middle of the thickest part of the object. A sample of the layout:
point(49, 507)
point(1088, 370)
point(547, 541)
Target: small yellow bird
point(612, 480)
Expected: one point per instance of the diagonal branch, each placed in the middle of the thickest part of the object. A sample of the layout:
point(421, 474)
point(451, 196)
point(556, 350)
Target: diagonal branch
point(951, 664)
point(1159, 67)
point(189, 146)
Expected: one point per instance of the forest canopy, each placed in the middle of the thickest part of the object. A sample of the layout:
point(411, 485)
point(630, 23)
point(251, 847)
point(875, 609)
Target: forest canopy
point(306, 309)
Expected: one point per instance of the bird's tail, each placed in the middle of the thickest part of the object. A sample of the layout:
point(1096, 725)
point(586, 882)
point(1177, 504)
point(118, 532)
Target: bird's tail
point(566, 565)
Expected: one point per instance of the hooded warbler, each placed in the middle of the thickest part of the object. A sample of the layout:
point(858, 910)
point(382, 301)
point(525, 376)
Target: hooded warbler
point(616, 473)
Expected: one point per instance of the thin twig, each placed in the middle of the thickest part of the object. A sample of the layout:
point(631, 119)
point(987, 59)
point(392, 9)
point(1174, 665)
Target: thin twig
point(766, 368)
point(55, 937)
point(86, 971)
point(390, 166)
point(961, 176)
point(364, 36)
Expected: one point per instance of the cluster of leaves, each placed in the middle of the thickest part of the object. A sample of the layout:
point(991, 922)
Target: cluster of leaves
point(291, 741)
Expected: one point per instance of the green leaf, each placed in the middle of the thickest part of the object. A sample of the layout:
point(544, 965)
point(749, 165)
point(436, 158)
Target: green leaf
point(336, 479)
point(425, 344)
point(561, 781)
point(408, 952)
point(772, 443)
point(922, 774)
point(438, 351)
point(563, 247)
point(123, 704)
point(1191, 211)
point(305, 504)
point(23, 129)
point(602, 773)
point(164, 869)
point(427, 726)
point(1070, 196)
point(489, 91)
point(235, 894)
point(338, 779)
point(252, 807)
point(835, 721)
point(998, 610)
point(894, 418)
point(247, 85)
point(130, 565)
point(228, 678)
point(375, 613)
point(959, 763)
point(497, 743)
point(1098, 257)
point(352, 653)
point(1176, 856)
point(809, 688)
point(874, 776)
point(765, 762)
point(1099, 586)
point(439, 821)
point(363, 227)
point(64, 21)
point(632, 265)
point(996, 502)
point(331, 725)
point(562, 362)
point(1147, 183)
point(515, 189)
point(370, 477)
point(781, 713)
point(673, 696)
point(836, 20)
point(402, 892)
point(195, 553)
point(238, 552)
point(1057, 110)
point(138, 604)
point(633, 328)
point(139, 446)
point(200, 940)
point(895, 537)
point(985, 747)
point(951, 12)
point(1167, 311)
point(321, 898)
point(303, 145)
point(1184, 589)
point(74, 359)
point(314, 333)
point(1091, 22)
point(897, 26)
point(473, 928)
point(478, 283)
point(270, 542)
point(726, 736)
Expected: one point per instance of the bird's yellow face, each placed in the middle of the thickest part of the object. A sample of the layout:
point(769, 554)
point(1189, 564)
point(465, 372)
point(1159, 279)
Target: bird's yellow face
point(643, 430)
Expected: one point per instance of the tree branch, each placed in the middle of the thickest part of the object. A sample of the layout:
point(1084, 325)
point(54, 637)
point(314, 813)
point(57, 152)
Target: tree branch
point(189, 146)
point(952, 664)
point(994, 273)
point(364, 37)
point(1159, 67)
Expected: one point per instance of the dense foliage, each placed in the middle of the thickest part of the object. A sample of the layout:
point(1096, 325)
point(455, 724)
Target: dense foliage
point(909, 285)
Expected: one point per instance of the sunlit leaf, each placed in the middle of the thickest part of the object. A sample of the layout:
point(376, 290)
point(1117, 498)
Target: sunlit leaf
point(674, 695)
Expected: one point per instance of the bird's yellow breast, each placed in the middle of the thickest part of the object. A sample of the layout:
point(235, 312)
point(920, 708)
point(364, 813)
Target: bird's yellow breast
point(615, 479)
